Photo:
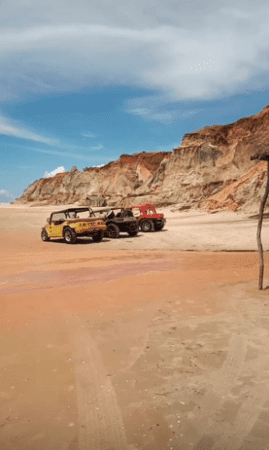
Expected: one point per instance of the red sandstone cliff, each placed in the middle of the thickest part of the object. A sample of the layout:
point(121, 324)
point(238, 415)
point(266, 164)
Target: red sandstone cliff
point(211, 169)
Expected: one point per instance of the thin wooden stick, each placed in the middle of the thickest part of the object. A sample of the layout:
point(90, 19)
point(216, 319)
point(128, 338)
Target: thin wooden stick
point(259, 229)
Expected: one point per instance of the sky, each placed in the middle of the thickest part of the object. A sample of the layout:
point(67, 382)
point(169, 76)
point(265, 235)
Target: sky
point(84, 82)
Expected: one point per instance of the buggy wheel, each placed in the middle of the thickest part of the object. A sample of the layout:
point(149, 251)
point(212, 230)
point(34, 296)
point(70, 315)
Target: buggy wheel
point(158, 227)
point(113, 231)
point(44, 236)
point(132, 233)
point(98, 236)
point(146, 226)
point(70, 236)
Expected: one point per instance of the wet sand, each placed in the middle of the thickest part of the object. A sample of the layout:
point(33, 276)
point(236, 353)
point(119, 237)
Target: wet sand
point(112, 346)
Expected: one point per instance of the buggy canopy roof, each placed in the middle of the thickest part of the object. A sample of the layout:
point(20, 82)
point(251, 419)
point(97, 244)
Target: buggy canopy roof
point(71, 210)
point(106, 208)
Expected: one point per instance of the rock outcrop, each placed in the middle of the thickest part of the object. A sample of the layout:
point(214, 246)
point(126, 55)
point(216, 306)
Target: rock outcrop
point(211, 169)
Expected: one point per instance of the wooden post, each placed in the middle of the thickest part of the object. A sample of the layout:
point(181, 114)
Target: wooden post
point(259, 229)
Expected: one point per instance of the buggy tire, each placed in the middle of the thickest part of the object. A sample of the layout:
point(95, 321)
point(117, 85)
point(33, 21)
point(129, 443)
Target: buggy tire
point(70, 236)
point(44, 236)
point(158, 227)
point(113, 231)
point(98, 236)
point(146, 226)
point(133, 233)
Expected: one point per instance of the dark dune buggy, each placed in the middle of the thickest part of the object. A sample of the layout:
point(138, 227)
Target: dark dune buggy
point(117, 220)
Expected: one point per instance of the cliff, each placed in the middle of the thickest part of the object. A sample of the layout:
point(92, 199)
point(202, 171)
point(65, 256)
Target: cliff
point(211, 169)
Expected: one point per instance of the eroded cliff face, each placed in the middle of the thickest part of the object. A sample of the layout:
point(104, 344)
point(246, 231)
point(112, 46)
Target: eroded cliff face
point(211, 169)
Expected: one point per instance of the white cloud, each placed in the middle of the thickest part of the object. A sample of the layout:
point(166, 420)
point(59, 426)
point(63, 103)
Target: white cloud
point(13, 128)
point(195, 51)
point(6, 194)
point(100, 165)
point(60, 169)
point(61, 153)
point(159, 109)
point(88, 135)
point(97, 147)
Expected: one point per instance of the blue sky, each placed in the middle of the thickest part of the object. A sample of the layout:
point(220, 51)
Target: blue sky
point(84, 82)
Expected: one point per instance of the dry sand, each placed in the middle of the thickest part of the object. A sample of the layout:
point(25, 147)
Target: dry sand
point(133, 344)
point(193, 231)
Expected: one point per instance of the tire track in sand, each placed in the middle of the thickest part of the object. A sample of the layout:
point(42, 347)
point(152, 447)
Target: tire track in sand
point(218, 386)
point(99, 417)
point(233, 435)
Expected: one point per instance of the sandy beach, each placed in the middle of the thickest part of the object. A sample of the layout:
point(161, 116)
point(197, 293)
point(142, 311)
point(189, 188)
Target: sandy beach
point(158, 342)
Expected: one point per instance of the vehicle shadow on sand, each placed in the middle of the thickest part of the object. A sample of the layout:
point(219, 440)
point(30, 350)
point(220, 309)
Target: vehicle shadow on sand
point(126, 237)
point(78, 241)
point(87, 241)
